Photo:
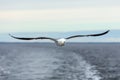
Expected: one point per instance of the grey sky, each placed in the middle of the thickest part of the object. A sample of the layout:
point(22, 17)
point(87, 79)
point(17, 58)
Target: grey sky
point(58, 15)
point(47, 4)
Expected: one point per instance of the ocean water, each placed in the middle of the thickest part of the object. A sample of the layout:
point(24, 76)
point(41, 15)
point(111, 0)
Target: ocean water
point(46, 61)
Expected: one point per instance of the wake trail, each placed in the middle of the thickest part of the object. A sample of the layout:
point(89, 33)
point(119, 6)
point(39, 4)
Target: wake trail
point(28, 63)
point(73, 67)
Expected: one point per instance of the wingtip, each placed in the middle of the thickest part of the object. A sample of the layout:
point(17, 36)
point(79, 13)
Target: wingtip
point(11, 35)
point(107, 31)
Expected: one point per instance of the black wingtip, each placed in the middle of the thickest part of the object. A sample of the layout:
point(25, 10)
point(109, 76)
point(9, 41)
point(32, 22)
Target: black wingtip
point(107, 31)
point(10, 35)
point(13, 36)
point(103, 33)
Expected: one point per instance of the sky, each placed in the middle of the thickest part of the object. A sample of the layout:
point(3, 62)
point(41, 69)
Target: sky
point(59, 15)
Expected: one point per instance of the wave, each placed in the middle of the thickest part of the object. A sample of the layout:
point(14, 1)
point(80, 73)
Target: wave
point(28, 63)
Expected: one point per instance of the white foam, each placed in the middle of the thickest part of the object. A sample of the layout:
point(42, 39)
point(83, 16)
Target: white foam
point(89, 71)
point(45, 64)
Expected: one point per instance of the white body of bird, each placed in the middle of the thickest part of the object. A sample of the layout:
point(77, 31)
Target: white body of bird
point(61, 42)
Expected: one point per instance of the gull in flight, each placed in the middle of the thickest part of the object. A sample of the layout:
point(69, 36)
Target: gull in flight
point(61, 41)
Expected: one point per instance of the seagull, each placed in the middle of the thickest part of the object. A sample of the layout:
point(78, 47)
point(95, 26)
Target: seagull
point(61, 41)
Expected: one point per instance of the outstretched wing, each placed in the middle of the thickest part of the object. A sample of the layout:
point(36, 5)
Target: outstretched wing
point(23, 38)
point(88, 35)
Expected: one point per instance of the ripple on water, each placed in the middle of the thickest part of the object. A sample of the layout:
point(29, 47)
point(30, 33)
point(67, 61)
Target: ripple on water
point(50, 64)
point(73, 67)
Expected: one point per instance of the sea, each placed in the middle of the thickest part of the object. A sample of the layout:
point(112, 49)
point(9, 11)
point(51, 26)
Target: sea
point(46, 61)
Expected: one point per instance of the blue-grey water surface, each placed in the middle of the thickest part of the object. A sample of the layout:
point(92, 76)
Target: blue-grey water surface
point(36, 61)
